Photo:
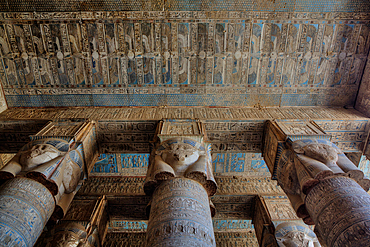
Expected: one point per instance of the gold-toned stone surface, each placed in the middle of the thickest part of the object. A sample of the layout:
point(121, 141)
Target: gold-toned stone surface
point(223, 239)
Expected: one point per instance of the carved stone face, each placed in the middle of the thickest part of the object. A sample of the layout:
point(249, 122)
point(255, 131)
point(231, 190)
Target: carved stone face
point(321, 152)
point(180, 156)
point(38, 154)
point(296, 239)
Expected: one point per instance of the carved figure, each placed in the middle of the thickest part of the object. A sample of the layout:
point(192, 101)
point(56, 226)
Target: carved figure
point(322, 152)
point(321, 158)
point(50, 162)
point(38, 154)
point(180, 157)
point(33, 155)
point(295, 239)
point(68, 234)
point(295, 234)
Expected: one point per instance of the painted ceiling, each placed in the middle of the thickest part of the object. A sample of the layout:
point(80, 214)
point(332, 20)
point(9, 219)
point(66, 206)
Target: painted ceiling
point(183, 53)
point(178, 54)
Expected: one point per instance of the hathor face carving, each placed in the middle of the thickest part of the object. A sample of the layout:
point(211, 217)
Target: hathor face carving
point(180, 155)
point(295, 239)
point(322, 152)
point(38, 154)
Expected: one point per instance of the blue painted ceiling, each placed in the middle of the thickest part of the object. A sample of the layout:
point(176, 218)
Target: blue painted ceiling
point(211, 53)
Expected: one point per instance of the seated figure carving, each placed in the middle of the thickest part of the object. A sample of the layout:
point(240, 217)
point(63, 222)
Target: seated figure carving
point(180, 157)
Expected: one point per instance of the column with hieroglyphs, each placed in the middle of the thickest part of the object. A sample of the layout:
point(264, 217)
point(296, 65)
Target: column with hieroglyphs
point(180, 181)
point(40, 182)
point(324, 187)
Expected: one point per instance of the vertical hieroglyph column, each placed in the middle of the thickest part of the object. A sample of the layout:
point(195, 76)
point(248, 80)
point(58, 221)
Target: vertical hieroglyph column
point(43, 172)
point(180, 180)
point(325, 188)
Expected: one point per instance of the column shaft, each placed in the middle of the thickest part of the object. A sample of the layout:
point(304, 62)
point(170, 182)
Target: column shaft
point(25, 205)
point(180, 215)
point(340, 208)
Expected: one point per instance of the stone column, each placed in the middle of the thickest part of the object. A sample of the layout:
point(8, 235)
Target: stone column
point(43, 172)
point(180, 215)
point(25, 207)
point(3, 103)
point(325, 188)
point(180, 180)
point(340, 209)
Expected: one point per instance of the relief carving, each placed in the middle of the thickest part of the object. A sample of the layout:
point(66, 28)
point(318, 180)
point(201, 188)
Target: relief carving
point(292, 234)
point(325, 189)
point(39, 159)
point(180, 157)
point(321, 159)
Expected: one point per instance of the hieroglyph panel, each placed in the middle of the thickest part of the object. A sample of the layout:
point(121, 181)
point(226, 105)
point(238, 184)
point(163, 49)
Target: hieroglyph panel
point(188, 58)
point(230, 185)
point(223, 164)
point(223, 239)
point(335, 6)
point(107, 116)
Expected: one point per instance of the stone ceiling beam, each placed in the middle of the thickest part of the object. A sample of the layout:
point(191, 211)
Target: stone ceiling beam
point(128, 130)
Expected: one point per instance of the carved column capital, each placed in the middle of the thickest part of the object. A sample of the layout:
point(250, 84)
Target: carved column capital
point(180, 180)
point(180, 151)
point(317, 176)
point(56, 159)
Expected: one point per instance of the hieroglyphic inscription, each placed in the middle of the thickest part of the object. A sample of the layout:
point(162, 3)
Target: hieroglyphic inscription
point(223, 239)
point(134, 186)
point(15, 134)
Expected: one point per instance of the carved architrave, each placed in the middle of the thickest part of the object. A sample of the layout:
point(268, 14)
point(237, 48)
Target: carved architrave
point(226, 185)
point(295, 130)
point(262, 222)
point(272, 142)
